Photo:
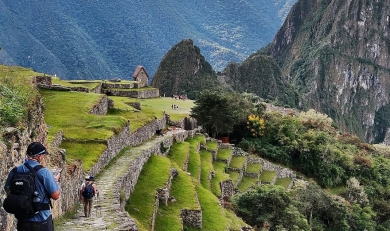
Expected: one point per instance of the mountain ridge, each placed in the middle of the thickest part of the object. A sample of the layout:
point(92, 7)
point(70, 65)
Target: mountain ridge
point(103, 39)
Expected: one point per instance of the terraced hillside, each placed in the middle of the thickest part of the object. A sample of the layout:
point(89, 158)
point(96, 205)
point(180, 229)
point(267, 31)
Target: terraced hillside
point(181, 190)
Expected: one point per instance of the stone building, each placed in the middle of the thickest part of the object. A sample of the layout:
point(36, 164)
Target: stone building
point(141, 75)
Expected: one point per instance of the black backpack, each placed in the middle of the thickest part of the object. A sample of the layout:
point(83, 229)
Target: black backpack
point(88, 192)
point(23, 199)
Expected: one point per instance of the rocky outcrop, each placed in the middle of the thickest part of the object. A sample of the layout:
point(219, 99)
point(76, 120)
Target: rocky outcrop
point(337, 52)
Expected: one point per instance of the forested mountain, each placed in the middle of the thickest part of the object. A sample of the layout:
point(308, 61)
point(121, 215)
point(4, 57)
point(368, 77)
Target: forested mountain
point(335, 55)
point(100, 39)
point(184, 71)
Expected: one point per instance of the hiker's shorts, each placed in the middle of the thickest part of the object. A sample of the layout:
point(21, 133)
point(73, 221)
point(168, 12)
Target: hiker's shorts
point(36, 226)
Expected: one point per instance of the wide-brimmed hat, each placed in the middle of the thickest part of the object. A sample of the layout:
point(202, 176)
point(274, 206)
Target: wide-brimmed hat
point(90, 178)
point(35, 149)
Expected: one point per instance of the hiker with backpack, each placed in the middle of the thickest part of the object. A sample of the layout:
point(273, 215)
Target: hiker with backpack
point(87, 192)
point(29, 188)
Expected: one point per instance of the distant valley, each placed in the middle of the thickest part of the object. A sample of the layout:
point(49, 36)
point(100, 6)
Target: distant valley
point(100, 39)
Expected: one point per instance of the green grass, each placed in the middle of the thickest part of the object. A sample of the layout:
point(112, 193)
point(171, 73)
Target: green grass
point(246, 182)
point(194, 157)
point(159, 105)
point(224, 153)
point(236, 222)
point(88, 152)
point(207, 167)
point(340, 190)
point(234, 176)
point(267, 176)
point(183, 190)
point(211, 145)
point(253, 168)
point(237, 161)
point(220, 175)
point(179, 153)
point(213, 218)
point(154, 175)
point(285, 182)
point(75, 120)
point(79, 83)
point(16, 71)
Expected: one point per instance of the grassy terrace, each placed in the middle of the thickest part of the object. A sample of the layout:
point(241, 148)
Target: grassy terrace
point(234, 176)
point(237, 161)
point(183, 190)
point(212, 214)
point(154, 175)
point(85, 133)
point(207, 167)
point(224, 153)
point(253, 168)
point(220, 175)
point(194, 165)
point(211, 145)
point(246, 182)
point(285, 182)
point(77, 83)
point(267, 176)
point(179, 153)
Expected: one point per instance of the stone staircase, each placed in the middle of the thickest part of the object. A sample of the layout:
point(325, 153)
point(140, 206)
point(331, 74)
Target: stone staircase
point(108, 213)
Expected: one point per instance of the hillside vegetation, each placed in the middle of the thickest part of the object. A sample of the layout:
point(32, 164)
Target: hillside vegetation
point(331, 169)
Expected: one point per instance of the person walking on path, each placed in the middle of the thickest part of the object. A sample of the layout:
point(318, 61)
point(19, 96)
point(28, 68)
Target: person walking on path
point(87, 192)
point(46, 188)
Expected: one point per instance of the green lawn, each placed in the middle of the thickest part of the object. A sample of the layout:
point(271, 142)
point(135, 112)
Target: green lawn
point(267, 176)
point(253, 168)
point(237, 161)
point(246, 182)
point(224, 153)
point(194, 163)
point(76, 83)
point(234, 176)
point(213, 217)
point(179, 153)
point(285, 182)
point(159, 105)
point(207, 167)
point(154, 175)
point(211, 145)
point(183, 190)
point(220, 175)
point(75, 121)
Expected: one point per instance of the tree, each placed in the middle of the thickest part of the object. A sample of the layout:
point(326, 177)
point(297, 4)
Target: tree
point(218, 112)
point(269, 205)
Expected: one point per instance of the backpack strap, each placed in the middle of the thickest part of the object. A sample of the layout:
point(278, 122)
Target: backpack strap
point(34, 170)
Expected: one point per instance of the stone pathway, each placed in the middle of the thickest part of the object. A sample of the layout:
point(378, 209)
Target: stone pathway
point(106, 216)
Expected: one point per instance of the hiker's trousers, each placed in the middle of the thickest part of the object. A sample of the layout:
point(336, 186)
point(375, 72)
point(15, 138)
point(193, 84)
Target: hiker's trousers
point(88, 207)
point(36, 226)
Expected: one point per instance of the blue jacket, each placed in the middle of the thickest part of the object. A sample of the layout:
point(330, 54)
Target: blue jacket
point(49, 187)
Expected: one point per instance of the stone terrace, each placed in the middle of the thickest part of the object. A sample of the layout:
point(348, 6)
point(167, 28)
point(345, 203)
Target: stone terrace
point(110, 215)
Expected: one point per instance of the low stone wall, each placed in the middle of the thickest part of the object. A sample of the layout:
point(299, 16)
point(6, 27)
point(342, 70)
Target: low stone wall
point(107, 85)
point(13, 153)
point(192, 217)
point(116, 143)
point(136, 105)
point(42, 80)
point(227, 189)
point(140, 94)
point(128, 181)
point(101, 107)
